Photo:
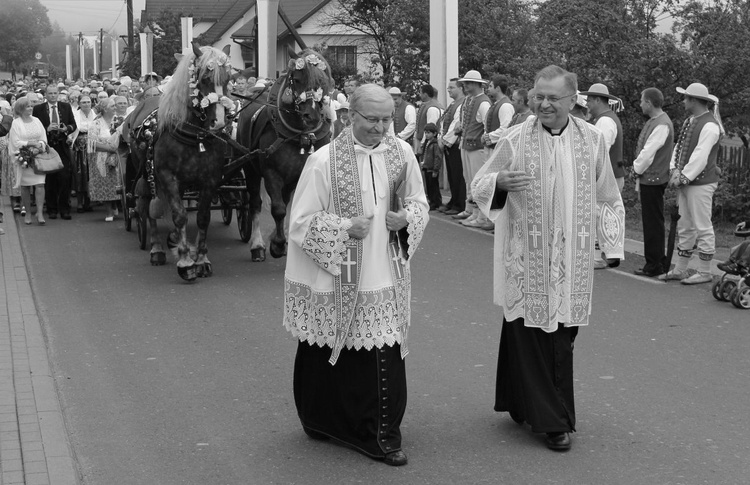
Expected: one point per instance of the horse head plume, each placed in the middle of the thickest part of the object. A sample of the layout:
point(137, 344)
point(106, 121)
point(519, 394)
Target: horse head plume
point(199, 73)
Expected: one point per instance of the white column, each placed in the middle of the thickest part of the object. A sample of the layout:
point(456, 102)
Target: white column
point(146, 52)
point(438, 49)
point(267, 11)
point(81, 60)
point(187, 34)
point(96, 57)
point(451, 39)
point(115, 58)
point(68, 63)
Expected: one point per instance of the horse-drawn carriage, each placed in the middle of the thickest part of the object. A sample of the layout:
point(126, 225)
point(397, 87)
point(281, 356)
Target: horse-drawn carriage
point(183, 153)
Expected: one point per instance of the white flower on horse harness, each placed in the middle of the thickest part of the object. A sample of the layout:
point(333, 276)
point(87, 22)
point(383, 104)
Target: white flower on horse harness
point(299, 64)
point(210, 99)
point(222, 61)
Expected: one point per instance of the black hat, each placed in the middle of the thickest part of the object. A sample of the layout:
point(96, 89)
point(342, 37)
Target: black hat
point(431, 127)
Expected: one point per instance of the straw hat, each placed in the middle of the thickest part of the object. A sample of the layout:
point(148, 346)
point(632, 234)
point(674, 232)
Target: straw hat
point(599, 89)
point(394, 91)
point(698, 90)
point(473, 77)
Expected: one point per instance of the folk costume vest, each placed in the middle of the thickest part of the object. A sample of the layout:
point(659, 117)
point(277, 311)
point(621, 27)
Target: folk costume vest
point(472, 129)
point(346, 196)
point(615, 152)
point(399, 119)
point(519, 118)
point(691, 131)
point(422, 116)
point(448, 115)
point(658, 172)
point(492, 123)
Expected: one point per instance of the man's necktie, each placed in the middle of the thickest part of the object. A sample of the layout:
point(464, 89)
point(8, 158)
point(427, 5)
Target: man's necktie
point(54, 120)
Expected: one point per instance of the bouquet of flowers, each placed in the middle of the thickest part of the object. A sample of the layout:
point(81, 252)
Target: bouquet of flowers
point(26, 155)
point(116, 122)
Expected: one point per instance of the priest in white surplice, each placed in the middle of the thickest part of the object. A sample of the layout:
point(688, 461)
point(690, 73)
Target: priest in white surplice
point(358, 215)
point(544, 186)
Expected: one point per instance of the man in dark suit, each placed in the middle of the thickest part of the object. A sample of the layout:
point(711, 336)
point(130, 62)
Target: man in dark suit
point(57, 117)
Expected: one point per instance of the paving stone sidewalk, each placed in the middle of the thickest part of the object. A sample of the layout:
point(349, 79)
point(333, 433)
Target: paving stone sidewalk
point(34, 448)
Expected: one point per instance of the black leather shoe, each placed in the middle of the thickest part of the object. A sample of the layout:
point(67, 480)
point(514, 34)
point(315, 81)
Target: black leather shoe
point(52, 216)
point(65, 217)
point(613, 263)
point(396, 458)
point(558, 441)
point(648, 273)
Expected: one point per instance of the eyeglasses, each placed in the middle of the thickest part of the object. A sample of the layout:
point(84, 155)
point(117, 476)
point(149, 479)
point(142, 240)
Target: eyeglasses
point(539, 98)
point(375, 121)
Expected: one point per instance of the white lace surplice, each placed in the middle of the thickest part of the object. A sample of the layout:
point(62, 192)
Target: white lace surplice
point(544, 237)
point(317, 237)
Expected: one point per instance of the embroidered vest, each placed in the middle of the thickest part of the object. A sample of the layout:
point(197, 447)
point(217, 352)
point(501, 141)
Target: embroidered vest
point(685, 149)
point(658, 172)
point(422, 116)
point(399, 118)
point(615, 152)
point(346, 196)
point(473, 129)
point(492, 123)
point(448, 115)
point(519, 118)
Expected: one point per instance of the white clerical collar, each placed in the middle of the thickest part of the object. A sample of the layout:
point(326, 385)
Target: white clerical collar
point(556, 132)
point(367, 149)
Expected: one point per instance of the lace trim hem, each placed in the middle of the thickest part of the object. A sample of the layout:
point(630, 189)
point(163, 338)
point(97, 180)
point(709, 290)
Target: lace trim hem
point(310, 315)
point(415, 217)
point(325, 241)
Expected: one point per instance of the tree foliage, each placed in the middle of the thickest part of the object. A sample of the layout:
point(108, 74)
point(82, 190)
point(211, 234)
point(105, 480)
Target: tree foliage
point(24, 24)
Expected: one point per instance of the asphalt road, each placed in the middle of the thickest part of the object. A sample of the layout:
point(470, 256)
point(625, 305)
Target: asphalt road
point(164, 382)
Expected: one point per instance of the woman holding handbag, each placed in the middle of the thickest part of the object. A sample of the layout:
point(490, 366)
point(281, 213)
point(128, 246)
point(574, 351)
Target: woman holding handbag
point(103, 159)
point(28, 131)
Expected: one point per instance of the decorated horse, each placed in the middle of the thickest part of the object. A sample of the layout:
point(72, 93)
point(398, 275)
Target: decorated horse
point(282, 126)
point(182, 145)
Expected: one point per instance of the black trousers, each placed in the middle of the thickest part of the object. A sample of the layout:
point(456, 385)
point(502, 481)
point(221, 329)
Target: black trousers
point(57, 185)
point(652, 216)
point(535, 376)
point(456, 181)
point(432, 189)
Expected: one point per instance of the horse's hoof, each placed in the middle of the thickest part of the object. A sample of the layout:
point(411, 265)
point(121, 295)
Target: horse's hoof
point(187, 273)
point(205, 270)
point(158, 258)
point(258, 255)
point(278, 251)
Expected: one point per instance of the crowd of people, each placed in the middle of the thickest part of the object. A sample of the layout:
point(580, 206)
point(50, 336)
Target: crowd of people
point(543, 168)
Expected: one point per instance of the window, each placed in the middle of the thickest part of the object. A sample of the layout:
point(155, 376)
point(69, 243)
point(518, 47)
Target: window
point(344, 55)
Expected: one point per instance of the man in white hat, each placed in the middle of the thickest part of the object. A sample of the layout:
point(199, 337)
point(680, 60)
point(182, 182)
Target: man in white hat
point(473, 115)
point(693, 172)
point(543, 186)
point(598, 102)
point(404, 116)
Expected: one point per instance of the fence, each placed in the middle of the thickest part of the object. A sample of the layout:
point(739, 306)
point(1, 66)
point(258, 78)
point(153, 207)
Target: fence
point(735, 166)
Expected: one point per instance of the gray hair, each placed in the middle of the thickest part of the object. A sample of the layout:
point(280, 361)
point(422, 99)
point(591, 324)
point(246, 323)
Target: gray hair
point(369, 92)
point(552, 72)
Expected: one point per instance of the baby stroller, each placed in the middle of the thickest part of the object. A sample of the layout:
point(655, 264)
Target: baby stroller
point(729, 288)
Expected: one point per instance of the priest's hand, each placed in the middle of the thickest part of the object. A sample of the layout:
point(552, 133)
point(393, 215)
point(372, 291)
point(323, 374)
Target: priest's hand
point(360, 227)
point(513, 180)
point(396, 221)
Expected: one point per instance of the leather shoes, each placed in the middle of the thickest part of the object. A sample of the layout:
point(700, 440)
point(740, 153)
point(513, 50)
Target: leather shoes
point(558, 441)
point(65, 217)
point(648, 273)
point(52, 216)
point(451, 212)
point(396, 458)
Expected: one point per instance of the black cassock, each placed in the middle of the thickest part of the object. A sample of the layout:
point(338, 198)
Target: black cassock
point(535, 376)
point(359, 402)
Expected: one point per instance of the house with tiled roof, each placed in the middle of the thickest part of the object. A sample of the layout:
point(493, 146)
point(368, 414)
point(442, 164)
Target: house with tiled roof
point(233, 22)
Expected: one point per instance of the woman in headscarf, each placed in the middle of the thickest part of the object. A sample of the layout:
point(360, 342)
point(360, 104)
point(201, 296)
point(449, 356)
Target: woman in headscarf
point(85, 117)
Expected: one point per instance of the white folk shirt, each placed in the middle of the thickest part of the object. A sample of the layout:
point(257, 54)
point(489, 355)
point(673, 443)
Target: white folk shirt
point(309, 285)
point(608, 127)
point(410, 116)
point(544, 241)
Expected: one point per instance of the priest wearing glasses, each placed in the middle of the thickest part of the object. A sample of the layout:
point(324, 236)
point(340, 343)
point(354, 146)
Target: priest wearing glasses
point(550, 189)
point(358, 215)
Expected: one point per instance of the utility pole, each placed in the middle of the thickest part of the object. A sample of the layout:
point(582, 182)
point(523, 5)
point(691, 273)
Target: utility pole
point(131, 41)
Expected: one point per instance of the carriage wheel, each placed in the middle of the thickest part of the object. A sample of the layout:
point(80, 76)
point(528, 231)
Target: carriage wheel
point(142, 230)
point(726, 289)
point(741, 297)
point(244, 224)
point(127, 215)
